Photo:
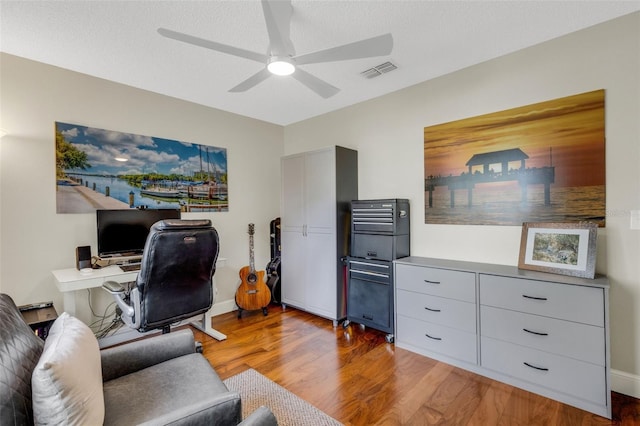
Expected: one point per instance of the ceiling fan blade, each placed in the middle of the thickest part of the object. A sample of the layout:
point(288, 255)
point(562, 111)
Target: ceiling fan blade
point(258, 77)
point(321, 87)
point(219, 47)
point(375, 46)
point(277, 15)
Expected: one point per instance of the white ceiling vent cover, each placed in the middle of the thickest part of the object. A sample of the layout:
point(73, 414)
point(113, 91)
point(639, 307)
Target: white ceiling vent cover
point(378, 70)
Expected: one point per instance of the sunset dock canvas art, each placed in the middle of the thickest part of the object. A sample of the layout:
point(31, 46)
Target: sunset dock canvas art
point(543, 162)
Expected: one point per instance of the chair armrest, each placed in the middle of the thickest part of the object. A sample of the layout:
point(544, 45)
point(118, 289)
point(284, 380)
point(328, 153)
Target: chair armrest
point(218, 409)
point(119, 293)
point(130, 357)
point(215, 409)
point(261, 417)
point(113, 287)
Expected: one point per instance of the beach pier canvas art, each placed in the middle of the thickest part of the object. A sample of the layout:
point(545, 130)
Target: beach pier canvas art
point(106, 169)
point(537, 163)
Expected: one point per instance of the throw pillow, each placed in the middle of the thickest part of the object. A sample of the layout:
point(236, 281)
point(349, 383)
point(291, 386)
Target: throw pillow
point(67, 382)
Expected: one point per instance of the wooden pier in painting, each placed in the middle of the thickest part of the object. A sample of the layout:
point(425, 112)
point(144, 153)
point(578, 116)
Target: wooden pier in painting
point(480, 171)
point(222, 206)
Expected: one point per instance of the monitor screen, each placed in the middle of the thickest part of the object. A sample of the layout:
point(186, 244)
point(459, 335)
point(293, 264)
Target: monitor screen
point(124, 232)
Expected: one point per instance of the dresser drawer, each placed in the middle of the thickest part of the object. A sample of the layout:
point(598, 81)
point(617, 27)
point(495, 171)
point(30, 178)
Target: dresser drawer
point(566, 338)
point(437, 282)
point(437, 338)
point(438, 310)
point(564, 301)
point(576, 378)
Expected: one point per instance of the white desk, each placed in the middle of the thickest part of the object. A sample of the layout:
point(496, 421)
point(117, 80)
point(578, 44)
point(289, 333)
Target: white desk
point(69, 281)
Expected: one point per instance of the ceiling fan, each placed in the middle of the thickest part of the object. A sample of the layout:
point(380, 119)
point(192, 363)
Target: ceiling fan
point(281, 58)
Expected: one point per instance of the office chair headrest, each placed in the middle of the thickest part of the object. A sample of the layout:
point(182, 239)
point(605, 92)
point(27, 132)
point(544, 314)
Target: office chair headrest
point(181, 224)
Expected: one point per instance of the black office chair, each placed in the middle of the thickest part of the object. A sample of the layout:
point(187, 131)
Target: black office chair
point(175, 278)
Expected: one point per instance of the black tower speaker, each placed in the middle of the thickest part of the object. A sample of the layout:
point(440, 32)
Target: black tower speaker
point(83, 257)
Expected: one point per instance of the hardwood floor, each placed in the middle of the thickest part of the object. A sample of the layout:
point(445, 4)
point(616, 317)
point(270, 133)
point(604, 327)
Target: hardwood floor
point(356, 377)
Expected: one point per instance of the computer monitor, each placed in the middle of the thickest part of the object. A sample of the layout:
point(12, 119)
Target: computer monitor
point(124, 232)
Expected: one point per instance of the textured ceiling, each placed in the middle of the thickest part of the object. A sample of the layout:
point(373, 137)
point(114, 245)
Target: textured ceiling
point(118, 41)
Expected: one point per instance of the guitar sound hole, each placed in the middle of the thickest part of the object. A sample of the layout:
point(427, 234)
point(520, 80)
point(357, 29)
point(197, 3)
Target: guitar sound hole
point(252, 278)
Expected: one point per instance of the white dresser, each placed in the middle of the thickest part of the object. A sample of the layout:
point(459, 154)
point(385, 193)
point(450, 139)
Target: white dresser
point(545, 333)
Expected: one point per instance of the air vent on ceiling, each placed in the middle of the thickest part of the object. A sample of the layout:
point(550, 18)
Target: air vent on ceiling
point(378, 70)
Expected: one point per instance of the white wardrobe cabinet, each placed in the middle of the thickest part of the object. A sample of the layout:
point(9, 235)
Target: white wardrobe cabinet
point(317, 189)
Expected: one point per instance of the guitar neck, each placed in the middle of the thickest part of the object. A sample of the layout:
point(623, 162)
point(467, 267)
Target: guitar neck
point(251, 259)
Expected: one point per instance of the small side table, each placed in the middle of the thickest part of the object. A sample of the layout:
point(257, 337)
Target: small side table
point(39, 317)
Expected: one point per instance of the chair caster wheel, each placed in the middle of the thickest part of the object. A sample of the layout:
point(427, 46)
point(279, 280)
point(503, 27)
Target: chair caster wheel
point(346, 323)
point(389, 338)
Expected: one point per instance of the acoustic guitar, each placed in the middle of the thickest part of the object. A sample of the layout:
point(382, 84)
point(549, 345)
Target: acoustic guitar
point(253, 293)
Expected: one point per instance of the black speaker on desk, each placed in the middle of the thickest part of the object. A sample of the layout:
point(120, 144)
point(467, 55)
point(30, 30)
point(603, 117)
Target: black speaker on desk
point(83, 257)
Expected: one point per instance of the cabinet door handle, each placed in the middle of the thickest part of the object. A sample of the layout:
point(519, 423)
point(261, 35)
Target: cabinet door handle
point(534, 367)
point(534, 297)
point(433, 338)
point(432, 310)
point(431, 282)
point(535, 332)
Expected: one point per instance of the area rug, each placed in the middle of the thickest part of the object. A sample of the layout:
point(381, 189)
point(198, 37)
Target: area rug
point(290, 410)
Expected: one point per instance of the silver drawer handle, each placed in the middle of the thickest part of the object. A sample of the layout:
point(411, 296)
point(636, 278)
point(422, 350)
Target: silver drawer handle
point(375, 274)
point(537, 368)
point(534, 297)
point(537, 333)
point(431, 337)
point(373, 265)
point(431, 282)
point(432, 310)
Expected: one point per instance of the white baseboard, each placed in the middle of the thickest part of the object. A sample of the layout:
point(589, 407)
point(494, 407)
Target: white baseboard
point(625, 383)
point(223, 307)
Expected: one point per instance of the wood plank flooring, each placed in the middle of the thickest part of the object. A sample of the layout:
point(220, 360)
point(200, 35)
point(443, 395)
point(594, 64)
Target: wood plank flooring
point(356, 377)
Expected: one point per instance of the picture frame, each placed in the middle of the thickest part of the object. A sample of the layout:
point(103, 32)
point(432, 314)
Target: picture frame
point(559, 248)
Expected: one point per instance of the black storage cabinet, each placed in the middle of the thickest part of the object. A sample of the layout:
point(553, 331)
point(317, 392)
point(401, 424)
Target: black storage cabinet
point(379, 234)
point(370, 294)
point(380, 229)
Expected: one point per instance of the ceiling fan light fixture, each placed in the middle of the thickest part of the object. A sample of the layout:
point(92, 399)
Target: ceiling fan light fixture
point(281, 59)
point(281, 66)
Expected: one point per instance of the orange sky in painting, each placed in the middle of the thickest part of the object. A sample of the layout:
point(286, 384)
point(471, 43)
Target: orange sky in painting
point(573, 127)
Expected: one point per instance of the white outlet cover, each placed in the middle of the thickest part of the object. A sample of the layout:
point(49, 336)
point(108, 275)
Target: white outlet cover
point(635, 219)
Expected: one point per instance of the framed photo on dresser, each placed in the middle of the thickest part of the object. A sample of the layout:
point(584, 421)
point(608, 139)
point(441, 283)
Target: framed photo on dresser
point(559, 248)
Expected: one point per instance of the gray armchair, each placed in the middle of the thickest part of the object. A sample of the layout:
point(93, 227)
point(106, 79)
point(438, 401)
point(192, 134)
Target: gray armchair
point(157, 381)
